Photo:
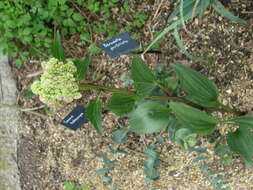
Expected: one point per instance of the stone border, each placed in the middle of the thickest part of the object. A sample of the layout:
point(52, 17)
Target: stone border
point(9, 173)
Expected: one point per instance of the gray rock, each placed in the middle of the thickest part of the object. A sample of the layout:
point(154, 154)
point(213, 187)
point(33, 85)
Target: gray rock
point(9, 174)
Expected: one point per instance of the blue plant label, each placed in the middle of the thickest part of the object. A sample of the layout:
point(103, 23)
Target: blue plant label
point(75, 118)
point(119, 45)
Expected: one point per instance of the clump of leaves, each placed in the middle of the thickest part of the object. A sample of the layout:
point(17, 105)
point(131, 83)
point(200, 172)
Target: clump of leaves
point(27, 27)
point(108, 166)
point(151, 163)
point(148, 114)
point(188, 10)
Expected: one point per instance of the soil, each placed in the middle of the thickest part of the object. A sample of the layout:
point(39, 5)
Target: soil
point(50, 154)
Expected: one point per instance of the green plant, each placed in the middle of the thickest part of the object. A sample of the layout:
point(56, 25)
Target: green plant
point(178, 100)
point(139, 19)
point(151, 163)
point(72, 186)
point(148, 115)
point(186, 11)
point(214, 177)
point(27, 27)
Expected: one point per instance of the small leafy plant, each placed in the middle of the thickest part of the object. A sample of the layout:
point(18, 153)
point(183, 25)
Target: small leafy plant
point(178, 100)
point(186, 11)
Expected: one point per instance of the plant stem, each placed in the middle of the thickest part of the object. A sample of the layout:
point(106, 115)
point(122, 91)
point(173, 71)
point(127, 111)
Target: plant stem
point(84, 87)
point(222, 108)
point(227, 109)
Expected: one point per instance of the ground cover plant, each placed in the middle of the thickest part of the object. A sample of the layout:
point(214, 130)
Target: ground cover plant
point(27, 28)
point(178, 101)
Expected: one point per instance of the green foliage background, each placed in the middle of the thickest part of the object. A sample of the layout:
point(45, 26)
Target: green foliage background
point(27, 27)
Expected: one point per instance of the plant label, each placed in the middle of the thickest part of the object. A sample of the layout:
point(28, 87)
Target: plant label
point(75, 118)
point(119, 45)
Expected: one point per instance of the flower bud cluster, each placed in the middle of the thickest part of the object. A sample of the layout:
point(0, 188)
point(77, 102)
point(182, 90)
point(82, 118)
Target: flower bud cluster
point(57, 83)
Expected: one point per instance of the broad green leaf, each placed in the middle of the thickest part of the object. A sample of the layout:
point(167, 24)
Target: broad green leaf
point(194, 119)
point(94, 114)
point(149, 117)
point(241, 142)
point(243, 121)
point(219, 8)
point(199, 88)
point(57, 48)
point(121, 104)
point(82, 66)
point(143, 77)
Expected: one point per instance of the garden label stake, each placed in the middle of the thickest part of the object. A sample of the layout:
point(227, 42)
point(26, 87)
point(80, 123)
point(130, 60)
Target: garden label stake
point(119, 45)
point(75, 118)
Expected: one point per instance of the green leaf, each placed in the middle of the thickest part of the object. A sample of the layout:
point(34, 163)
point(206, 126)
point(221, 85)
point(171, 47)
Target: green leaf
point(103, 171)
point(121, 104)
point(62, 2)
point(243, 121)
point(219, 8)
point(85, 37)
point(106, 179)
point(119, 136)
point(149, 117)
point(68, 186)
point(199, 88)
point(94, 114)
point(187, 6)
point(143, 77)
point(107, 162)
point(181, 45)
point(93, 49)
point(241, 142)
point(82, 66)
point(18, 63)
point(77, 17)
point(185, 138)
point(151, 163)
point(57, 48)
point(197, 121)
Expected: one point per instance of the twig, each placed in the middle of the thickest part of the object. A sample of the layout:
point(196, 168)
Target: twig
point(247, 12)
point(34, 74)
point(29, 110)
point(32, 109)
point(158, 9)
point(221, 108)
